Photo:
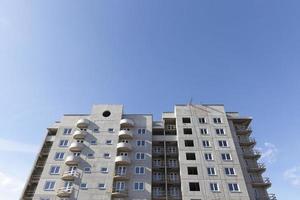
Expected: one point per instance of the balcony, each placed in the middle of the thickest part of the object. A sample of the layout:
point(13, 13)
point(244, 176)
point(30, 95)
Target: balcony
point(72, 160)
point(158, 166)
point(123, 160)
point(243, 130)
point(123, 146)
point(264, 182)
point(158, 180)
point(259, 168)
point(78, 134)
point(70, 175)
point(119, 176)
point(172, 153)
point(119, 193)
point(126, 123)
point(125, 134)
point(159, 195)
point(76, 146)
point(247, 141)
point(173, 180)
point(253, 154)
point(83, 123)
point(64, 192)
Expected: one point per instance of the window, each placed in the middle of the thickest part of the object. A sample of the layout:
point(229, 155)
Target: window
point(67, 131)
point(141, 131)
point(140, 143)
point(186, 120)
point(106, 155)
point(233, 187)
point(96, 130)
point(220, 131)
point(83, 186)
point(217, 120)
point(138, 186)
point(63, 143)
point(190, 156)
point(214, 187)
point(187, 131)
point(229, 171)
point(93, 142)
point(110, 130)
point(226, 156)
point(139, 170)
point(104, 170)
point(223, 143)
point(87, 170)
point(192, 171)
point(101, 186)
point(76, 154)
point(108, 142)
point(106, 113)
point(49, 185)
point(189, 143)
point(139, 156)
point(202, 120)
point(59, 156)
point(90, 155)
point(194, 186)
point(205, 143)
point(203, 131)
point(123, 154)
point(211, 171)
point(54, 170)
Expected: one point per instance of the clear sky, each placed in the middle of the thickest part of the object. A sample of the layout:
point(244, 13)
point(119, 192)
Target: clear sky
point(61, 57)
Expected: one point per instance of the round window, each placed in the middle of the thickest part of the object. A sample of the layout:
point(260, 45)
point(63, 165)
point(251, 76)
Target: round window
point(106, 113)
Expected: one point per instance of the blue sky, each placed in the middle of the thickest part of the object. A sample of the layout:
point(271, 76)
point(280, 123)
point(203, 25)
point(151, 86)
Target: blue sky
point(61, 57)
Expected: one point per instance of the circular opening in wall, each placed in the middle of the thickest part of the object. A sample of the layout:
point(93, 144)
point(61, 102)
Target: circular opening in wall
point(106, 113)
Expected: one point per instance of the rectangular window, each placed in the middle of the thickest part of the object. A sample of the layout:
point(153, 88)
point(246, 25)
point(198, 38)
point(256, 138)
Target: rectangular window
point(140, 156)
point(140, 143)
point(233, 187)
point(220, 131)
point(90, 155)
point(139, 170)
point(189, 143)
point(93, 142)
point(59, 156)
point(223, 143)
point(67, 131)
point(104, 170)
point(214, 187)
point(208, 156)
point(186, 120)
point(63, 143)
point(138, 186)
point(101, 186)
point(202, 120)
point(96, 130)
point(54, 170)
point(187, 131)
point(229, 171)
point(203, 131)
point(111, 130)
point(87, 170)
point(194, 186)
point(217, 120)
point(192, 171)
point(205, 143)
point(49, 185)
point(226, 156)
point(141, 131)
point(190, 156)
point(108, 142)
point(83, 186)
point(106, 155)
point(211, 171)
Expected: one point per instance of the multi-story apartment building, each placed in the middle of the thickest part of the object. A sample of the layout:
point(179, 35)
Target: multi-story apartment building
point(197, 152)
